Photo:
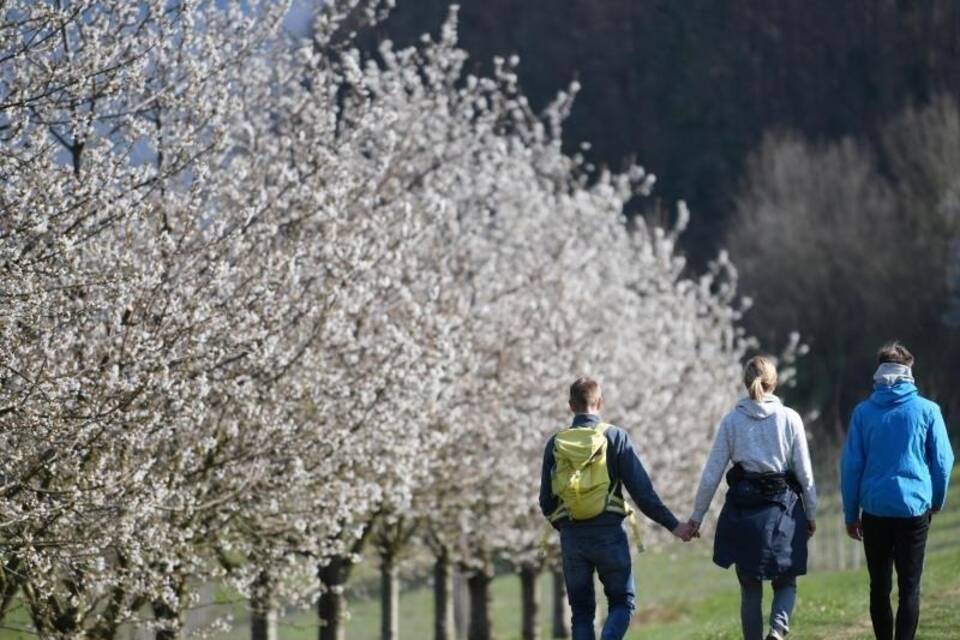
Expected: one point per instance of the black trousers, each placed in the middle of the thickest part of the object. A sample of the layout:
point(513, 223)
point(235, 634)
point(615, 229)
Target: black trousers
point(900, 543)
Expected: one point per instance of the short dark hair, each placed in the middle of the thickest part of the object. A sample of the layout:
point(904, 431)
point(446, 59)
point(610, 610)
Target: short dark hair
point(584, 392)
point(895, 353)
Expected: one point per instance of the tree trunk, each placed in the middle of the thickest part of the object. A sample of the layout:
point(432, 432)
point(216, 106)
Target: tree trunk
point(331, 607)
point(561, 609)
point(171, 617)
point(263, 617)
point(443, 628)
point(9, 582)
point(480, 627)
point(530, 600)
point(171, 620)
point(460, 605)
point(389, 596)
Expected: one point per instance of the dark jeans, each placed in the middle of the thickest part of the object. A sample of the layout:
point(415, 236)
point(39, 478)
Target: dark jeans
point(900, 543)
point(751, 605)
point(606, 551)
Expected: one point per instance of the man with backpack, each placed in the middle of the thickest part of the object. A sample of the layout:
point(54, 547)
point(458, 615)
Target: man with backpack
point(894, 477)
point(585, 469)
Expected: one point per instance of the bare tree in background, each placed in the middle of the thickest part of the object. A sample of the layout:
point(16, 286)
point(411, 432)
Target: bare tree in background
point(921, 147)
point(852, 246)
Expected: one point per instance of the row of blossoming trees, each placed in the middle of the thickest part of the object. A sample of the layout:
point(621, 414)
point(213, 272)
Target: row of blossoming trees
point(263, 301)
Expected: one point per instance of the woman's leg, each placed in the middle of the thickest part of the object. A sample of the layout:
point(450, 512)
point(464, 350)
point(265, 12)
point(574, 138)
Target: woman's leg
point(784, 597)
point(751, 607)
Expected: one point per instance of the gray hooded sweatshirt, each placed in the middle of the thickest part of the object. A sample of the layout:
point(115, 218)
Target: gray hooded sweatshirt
point(762, 436)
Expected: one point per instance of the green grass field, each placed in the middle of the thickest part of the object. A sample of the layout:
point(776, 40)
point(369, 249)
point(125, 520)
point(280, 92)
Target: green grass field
point(830, 604)
point(682, 595)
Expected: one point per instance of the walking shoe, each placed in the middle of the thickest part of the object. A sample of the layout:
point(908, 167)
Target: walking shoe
point(776, 634)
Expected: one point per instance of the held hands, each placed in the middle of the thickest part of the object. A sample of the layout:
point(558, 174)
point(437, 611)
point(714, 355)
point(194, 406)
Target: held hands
point(686, 531)
point(683, 531)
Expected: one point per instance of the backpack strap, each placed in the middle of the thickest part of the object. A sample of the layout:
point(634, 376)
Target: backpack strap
point(561, 512)
point(615, 503)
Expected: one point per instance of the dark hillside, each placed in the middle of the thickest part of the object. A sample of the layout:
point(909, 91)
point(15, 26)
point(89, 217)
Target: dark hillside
point(689, 86)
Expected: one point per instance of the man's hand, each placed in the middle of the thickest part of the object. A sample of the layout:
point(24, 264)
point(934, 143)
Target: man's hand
point(811, 527)
point(855, 530)
point(682, 531)
point(687, 530)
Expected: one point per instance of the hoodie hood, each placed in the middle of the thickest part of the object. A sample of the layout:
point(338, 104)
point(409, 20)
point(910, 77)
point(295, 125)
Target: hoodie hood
point(890, 373)
point(759, 410)
point(887, 395)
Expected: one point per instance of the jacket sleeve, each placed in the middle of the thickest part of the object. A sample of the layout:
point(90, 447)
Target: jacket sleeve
point(851, 470)
point(712, 473)
point(939, 458)
point(548, 501)
point(803, 469)
point(637, 483)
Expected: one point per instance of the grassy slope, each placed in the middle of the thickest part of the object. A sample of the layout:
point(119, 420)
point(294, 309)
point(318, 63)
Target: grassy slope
point(830, 604)
point(681, 594)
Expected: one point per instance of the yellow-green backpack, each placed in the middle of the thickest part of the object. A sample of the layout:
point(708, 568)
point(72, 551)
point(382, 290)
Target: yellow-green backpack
point(580, 477)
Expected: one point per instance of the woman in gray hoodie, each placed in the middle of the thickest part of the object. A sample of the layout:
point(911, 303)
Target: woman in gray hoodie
point(771, 503)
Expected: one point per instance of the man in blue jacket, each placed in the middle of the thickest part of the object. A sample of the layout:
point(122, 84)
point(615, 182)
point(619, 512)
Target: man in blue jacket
point(894, 476)
point(600, 543)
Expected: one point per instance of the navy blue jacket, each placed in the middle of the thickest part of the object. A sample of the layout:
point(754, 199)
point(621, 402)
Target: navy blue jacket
point(623, 465)
point(765, 536)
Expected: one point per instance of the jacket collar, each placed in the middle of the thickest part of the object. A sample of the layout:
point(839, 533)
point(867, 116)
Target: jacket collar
point(585, 420)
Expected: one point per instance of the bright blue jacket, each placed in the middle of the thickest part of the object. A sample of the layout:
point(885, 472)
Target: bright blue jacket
point(897, 458)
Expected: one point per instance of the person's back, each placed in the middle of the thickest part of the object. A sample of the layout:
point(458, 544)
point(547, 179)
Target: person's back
point(762, 433)
point(896, 426)
point(596, 543)
point(894, 475)
point(624, 470)
point(770, 508)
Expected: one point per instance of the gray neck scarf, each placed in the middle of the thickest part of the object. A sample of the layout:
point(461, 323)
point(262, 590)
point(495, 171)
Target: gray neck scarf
point(889, 374)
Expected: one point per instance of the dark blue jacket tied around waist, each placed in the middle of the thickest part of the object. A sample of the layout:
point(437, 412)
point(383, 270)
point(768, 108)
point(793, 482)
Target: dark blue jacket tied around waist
point(763, 526)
